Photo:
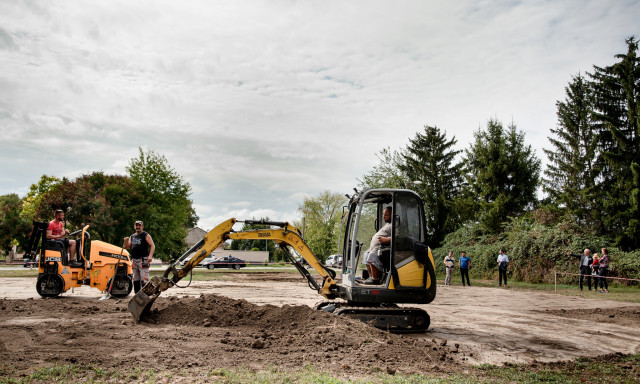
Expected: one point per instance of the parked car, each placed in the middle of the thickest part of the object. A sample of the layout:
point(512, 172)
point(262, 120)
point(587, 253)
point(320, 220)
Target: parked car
point(334, 261)
point(28, 263)
point(225, 262)
point(206, 260)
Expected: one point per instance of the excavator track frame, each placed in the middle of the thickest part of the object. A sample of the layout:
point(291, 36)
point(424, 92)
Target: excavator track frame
point(390, 318)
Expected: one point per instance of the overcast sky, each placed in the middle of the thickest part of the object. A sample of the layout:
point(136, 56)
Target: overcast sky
point(260, 103)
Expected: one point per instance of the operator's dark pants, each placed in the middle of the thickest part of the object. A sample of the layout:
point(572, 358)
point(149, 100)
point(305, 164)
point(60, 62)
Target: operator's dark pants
point(465, 272)
point(585, 272)
point(502, 273)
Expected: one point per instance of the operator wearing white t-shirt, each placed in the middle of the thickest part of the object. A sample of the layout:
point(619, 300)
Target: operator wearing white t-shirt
point(372, 255)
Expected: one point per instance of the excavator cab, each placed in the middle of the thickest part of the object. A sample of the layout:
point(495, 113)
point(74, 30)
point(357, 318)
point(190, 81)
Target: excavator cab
point(407, 272)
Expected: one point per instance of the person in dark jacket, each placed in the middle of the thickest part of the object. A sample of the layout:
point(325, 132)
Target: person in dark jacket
point(585, 267)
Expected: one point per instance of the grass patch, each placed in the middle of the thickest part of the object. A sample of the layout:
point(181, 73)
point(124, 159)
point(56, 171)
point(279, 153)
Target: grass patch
point(20, 273)
point(615, 368)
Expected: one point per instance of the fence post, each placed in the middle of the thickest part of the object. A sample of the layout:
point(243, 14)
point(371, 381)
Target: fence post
point(555, 281)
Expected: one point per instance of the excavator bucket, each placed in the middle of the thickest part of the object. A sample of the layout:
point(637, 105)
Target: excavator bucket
point(140, 304)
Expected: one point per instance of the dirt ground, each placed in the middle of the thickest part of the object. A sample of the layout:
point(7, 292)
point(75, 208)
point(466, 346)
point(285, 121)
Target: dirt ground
point(260, 320)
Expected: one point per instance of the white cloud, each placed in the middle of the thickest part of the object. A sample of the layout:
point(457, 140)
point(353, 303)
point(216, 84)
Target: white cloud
point(264, 103)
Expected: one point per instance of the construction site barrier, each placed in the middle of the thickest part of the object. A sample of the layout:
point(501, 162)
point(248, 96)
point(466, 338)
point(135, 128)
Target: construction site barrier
point(555, 278)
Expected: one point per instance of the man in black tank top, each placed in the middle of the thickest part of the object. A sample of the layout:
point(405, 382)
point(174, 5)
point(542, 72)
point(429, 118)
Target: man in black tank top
point(142, 248)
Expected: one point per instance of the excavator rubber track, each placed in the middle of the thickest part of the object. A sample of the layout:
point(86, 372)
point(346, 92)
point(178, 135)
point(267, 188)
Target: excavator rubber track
point(389, 318)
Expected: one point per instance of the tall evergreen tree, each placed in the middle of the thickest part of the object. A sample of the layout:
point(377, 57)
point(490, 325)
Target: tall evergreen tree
point(617, 110)
point(502, 175)
point(572, 172)
point(430, 159)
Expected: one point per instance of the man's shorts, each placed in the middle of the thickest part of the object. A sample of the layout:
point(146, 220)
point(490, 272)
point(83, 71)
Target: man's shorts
point(373, 258)
point(140, 273)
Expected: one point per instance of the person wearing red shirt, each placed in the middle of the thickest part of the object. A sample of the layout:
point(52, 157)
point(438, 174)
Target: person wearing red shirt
point(56, 232)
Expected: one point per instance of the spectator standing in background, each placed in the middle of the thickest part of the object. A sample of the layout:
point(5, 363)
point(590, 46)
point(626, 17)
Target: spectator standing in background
point(503, 263)
point(595, 269)
point(585, 266)
point(448, 265)
point(604, 271)
point(464, 262)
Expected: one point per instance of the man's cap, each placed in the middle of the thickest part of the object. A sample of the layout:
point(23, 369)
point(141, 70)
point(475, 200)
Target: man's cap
point(139, 222)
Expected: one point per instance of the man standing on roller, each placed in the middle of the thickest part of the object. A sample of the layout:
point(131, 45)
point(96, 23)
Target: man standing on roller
point(142, 248)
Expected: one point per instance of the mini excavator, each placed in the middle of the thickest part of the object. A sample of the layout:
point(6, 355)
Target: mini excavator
point(407, 276)
point(96, 264)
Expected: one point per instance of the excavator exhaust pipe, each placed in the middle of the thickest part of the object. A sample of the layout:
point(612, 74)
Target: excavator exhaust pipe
point(140, 304)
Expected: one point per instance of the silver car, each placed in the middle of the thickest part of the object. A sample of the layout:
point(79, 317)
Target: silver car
point(334, 261)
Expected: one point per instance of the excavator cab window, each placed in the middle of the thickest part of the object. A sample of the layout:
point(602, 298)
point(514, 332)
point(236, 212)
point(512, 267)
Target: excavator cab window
point(408, 227)
point(369, 218)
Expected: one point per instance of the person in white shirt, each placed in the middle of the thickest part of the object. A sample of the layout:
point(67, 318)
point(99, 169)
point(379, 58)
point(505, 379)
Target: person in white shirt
point(503, 262)
point(449, 263)
point(372, 256)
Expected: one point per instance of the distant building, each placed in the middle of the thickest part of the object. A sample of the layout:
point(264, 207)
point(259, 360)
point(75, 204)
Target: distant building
point(194, 235)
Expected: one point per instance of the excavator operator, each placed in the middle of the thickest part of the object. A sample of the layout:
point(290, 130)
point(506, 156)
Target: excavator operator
point(372, 256)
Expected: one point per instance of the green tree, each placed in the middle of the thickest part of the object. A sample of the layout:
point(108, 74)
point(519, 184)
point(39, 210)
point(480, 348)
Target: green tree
point(102, 201)
point(617, 111)
point(34, 198)
point(387, 173)
point(502, 174)
point(14, 229)
point(572, 173)
point(322, 215)
point(168, 209)
point(430, 159)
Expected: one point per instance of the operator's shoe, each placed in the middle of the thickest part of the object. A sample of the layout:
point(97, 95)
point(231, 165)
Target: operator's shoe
point(371, 281)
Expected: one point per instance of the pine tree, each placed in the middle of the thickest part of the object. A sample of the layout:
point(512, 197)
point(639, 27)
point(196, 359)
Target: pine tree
point(430, 159)
point(572, 172)
point(502, 174)
point(617, 111)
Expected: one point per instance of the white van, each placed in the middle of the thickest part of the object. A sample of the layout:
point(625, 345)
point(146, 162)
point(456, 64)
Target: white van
point(334, 261)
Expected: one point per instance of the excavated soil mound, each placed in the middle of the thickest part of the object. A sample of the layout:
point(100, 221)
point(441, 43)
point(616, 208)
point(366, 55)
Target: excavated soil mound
point(303, 334)
point(223, 311)
point(205, 333)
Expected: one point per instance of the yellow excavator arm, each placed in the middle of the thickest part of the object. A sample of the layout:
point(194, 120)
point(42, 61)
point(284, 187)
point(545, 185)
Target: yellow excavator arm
point(286, 236)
